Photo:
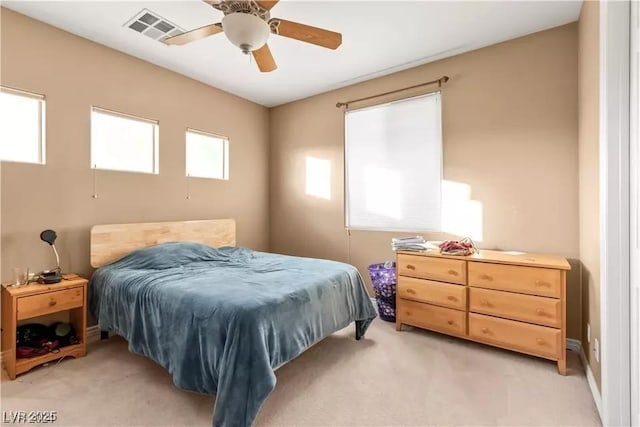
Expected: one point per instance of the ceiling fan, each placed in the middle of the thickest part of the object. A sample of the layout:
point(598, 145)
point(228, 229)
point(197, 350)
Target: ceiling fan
point(248, 24)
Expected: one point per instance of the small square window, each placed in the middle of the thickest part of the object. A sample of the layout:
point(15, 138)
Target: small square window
point(138, 26)
point(148, 18)
point(22, 124)
point(207, 155)
point(123, 143)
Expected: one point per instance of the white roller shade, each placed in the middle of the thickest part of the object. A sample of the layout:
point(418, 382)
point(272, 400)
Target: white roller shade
point(393, 155)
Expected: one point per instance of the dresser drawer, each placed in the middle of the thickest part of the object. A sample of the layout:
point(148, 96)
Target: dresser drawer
point(431, 317)
point(527, 308)
point(444, 294)
point(527, 280)
point(440, 269)
point(538, 340)
point(50, 302)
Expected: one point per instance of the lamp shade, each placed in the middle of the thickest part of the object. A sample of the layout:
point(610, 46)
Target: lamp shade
point(246, 31)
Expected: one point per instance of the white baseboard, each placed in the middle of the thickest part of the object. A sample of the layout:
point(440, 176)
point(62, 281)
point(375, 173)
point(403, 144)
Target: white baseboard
point(576, 346)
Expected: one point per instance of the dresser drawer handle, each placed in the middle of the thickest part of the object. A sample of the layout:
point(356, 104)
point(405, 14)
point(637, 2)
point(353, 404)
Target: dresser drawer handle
point(485, 302)
point(52, 303)
point(452, 298)
point(540, 341)
point(486, 277)
point(450, 322)
point(485, 330)
point(410, 267)
point(542, 283)
point(540, 312)
point(411, 291)
point(453, 272)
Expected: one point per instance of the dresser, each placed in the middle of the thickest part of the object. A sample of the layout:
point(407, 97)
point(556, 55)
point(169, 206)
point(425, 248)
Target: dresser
point(515, 301)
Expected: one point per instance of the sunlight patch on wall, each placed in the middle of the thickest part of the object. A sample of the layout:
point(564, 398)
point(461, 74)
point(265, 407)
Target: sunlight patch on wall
point(318, 177)
point(461, 215)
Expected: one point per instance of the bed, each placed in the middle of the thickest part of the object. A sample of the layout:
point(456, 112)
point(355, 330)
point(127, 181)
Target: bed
point(219, 318)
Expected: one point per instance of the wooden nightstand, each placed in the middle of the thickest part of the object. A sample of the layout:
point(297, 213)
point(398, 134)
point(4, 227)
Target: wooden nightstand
point(35, 300)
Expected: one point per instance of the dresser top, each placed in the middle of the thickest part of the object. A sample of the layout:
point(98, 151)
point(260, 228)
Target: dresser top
point(502, 257)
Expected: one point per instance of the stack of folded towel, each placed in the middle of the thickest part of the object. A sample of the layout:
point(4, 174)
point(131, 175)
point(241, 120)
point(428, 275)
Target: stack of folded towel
point(416, 243)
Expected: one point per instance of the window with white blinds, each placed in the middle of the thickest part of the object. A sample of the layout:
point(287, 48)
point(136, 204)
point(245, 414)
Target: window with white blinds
point(393, 155)
point(207, 155)
point(22, 126)
point(123, 142)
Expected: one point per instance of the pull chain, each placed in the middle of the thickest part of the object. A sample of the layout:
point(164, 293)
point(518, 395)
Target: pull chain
point(95, 183)
point(188, 187)
point(348, 246)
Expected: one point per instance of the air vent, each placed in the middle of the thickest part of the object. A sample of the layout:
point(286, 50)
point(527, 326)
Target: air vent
point(153, 25)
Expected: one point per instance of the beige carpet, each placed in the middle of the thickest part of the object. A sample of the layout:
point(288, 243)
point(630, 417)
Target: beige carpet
point(411, 378)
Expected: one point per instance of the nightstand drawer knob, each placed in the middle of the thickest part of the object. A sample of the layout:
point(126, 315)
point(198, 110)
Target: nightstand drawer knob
point(452, 298)
point(411, 291)
point(52, 303)
point(453, 272)
point(410, 267)
point(450, 322)
point(485, 277)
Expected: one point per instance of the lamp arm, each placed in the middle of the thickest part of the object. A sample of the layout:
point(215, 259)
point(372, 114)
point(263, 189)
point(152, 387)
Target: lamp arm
point(57, 257)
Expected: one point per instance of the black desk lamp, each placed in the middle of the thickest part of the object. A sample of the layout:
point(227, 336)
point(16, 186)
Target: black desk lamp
point(49, 277)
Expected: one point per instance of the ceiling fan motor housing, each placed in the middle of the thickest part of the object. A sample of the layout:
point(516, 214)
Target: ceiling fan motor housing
point(246, 30)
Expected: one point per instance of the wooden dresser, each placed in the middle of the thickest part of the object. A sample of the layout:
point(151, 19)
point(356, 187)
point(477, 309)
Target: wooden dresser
point(515, 301)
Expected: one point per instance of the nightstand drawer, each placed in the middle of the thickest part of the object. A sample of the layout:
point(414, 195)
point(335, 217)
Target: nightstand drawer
point(50, 302)
point(440, 269)
point(444, 294)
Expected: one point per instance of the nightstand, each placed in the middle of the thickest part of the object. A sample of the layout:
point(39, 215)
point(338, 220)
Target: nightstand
point(26, 302)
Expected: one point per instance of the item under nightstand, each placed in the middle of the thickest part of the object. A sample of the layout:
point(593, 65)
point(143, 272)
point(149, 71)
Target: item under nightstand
point(34, 300)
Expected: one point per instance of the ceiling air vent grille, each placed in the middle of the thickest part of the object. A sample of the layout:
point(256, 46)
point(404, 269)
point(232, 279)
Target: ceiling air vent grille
point(153, 25)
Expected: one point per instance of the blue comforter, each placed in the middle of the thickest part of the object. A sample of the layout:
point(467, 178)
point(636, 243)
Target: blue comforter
point(221, 320)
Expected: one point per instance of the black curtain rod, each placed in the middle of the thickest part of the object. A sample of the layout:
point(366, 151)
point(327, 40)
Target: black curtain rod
point(439, 81)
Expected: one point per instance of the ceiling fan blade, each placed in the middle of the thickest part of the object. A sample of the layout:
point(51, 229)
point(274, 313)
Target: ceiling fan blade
point(264, 59)
point(193, 35)
point(306, 33)
point(267, 4)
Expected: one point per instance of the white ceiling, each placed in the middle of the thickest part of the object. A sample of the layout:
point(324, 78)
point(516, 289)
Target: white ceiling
point(379, 37)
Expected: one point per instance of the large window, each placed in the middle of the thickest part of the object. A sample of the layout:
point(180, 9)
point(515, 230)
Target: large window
point(393, 155)
point(207, 155)
point(22, 126)
point(122, 142)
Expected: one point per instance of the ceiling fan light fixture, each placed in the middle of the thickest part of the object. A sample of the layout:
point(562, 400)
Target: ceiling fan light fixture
point(246, 31)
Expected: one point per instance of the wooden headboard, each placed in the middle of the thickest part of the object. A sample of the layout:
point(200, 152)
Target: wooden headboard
point(113, 241)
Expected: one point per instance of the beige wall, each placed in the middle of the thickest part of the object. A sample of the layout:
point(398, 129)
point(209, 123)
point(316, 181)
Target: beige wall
point(510, 132)
point(74, 74)
point(589, 128)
